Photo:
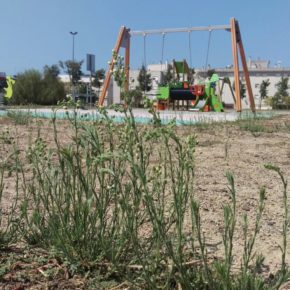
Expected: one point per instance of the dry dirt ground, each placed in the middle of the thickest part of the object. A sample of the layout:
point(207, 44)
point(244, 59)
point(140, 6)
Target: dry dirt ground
point(240, 148)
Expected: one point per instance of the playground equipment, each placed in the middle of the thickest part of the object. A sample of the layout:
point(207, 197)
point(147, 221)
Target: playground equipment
point(125, 35)
point(6, 85)
point(193, 95)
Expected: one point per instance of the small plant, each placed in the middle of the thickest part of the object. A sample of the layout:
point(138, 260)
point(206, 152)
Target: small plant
point(19, 117)
point(284, 271)
point(6, 137)
point(253, 126)
point(8, 225)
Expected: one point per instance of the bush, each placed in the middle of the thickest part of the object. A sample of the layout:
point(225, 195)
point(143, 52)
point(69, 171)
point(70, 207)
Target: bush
point(31, 87)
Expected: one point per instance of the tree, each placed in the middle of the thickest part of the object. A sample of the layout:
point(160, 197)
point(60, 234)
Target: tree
point(190, 76)
point(282, 88)
point(98, 78)
point(134, 97)
point(33, 87)
point(242, 89)
point(73, 69)
point(53, 89)
point(281, 97)
point(27, 88)
point(51, 71)
point(144, 79)
point(168, 76)
point(264, 90)
point(210, 72)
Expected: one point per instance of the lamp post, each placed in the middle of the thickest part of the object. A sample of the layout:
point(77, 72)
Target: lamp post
point(73, 48)
point(73, 59)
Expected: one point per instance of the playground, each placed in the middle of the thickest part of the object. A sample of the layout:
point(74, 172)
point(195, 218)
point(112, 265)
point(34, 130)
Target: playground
point(184, 194)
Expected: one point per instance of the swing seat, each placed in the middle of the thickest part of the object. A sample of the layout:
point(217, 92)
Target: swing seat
point(197, 90)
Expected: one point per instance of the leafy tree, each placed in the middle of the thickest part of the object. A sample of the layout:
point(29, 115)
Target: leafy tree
point(33, 87)
point(51, 71)
point(210, 72)
point(27, 87)
point(281, 96)
point(190, 76)
point(264, 90)
point(73, 69)
point(133, 97)
point(98, 78)
point(242, 89)
point(282, 88)
point(168, 76)
point(144, 79)
point(53, 89)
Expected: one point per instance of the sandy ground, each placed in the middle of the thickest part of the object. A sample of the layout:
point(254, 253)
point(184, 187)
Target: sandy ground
point(221, 148)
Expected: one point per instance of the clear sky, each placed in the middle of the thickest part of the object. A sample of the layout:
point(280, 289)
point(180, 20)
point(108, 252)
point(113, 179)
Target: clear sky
point(35, 33)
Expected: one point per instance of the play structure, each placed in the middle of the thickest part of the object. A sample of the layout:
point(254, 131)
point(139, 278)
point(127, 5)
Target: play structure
point(6, 86)
point(200, 97)
point(182, 90)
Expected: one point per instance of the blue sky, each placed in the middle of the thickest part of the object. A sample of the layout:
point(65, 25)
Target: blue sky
point(35, 33)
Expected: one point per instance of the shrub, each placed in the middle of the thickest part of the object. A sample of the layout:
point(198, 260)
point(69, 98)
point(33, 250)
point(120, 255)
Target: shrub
point(31, 87)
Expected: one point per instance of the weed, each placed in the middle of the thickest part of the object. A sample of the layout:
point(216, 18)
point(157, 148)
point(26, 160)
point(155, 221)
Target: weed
point(287, 127)
point(8, 225)
point(284, 271)
point(6, 138)
point(19, 117)
point(253, 126)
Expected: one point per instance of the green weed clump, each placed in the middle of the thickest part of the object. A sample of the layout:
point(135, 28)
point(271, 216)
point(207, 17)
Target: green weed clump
point(114, 198)
point(253, 126)
point(19, 117)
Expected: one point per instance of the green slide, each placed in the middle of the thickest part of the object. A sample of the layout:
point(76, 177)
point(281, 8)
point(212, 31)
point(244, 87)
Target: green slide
point(216, 105)
point(163, 93)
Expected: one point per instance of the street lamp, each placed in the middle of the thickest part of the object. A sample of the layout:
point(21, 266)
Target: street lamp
point(73, 48)
point(73, 59)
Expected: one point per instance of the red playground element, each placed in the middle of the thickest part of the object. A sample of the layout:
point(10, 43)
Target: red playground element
point(197, 90)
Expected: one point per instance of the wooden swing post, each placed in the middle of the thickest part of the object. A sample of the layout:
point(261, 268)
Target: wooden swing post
point(123, 40)
point(237, 43)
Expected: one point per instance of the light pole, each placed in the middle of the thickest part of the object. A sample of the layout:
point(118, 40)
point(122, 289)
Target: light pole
point(73, 59)
point(73, 48)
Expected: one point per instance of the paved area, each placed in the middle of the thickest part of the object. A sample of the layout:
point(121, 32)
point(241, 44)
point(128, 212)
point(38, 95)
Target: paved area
point(143, 116)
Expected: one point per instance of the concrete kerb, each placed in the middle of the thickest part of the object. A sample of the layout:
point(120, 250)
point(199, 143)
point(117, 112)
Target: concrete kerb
point(143, 116)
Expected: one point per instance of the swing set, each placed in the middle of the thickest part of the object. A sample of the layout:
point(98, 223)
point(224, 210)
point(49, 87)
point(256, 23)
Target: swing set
point(189, 92)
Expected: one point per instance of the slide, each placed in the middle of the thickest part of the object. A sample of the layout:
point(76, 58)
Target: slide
point(216, 105)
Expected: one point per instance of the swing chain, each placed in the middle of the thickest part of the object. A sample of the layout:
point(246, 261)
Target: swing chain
point(208, 47)
point(162, 50)
point(189, 46)
point(144, 50)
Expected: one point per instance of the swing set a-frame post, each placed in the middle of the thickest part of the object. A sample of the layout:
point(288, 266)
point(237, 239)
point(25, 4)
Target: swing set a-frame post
point(238, 44)
point(237, 49)
point(123, 40)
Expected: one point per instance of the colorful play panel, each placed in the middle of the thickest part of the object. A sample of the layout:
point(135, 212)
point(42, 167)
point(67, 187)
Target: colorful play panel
point(201, 97)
